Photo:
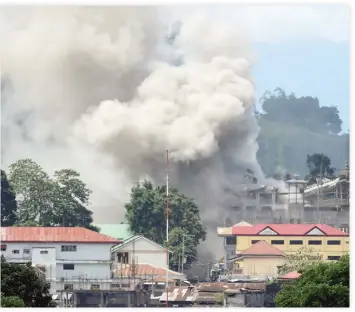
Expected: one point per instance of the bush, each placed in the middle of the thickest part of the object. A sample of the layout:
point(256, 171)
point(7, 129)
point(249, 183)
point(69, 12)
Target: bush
point(12, 302)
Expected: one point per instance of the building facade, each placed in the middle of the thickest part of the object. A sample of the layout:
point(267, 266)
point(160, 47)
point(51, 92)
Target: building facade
point(325, 202)
point(72, 258)
point(328, 242)
point(137, 250)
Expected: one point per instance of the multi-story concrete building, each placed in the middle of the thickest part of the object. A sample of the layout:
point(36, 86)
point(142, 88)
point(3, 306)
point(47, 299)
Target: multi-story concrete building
point(328, 242)
point(71, 257)
point(325, 202)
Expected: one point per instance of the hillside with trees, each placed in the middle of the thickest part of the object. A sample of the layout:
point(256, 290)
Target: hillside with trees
point(292, 127)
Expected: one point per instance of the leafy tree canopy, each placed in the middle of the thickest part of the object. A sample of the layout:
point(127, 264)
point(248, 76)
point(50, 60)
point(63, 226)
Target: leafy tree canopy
point(302, 111)
point(299, 260)
point(322, 284)
point(60, 200)
point(318, 164)
point(21, 280)
point(145, 214)
point(12, 302)
point(8, 202)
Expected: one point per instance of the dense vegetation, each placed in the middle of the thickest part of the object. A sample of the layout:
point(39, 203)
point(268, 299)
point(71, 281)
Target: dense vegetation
point(21, 287)
point(146, 216)
point(322, 284)
point(292, 127)
point(42, 200)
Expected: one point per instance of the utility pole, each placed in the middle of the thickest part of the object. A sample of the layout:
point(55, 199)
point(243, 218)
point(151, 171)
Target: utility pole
point(183, 253)
point(167, 226)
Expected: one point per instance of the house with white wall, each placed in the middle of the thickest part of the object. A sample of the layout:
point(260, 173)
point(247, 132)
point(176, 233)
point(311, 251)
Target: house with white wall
point(72, 257)
point(138, 249)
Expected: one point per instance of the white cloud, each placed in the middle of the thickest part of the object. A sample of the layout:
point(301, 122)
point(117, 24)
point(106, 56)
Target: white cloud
point(274, 23)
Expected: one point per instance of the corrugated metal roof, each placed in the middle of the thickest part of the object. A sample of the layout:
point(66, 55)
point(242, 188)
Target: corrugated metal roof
point(54, 234)
point(206, 292)
point(143, 270)
point(119, 231)
point(134, 238)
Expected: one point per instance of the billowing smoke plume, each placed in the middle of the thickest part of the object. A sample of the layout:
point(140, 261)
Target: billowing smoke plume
point(91, 89)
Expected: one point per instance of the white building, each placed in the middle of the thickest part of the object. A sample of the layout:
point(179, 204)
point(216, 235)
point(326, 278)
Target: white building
point(72, 257)
point(138, 249)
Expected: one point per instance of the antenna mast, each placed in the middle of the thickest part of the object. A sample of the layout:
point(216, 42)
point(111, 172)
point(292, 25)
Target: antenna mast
point(167, 226)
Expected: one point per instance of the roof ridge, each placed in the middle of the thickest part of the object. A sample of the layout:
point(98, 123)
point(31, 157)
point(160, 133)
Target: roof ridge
point(259, 244)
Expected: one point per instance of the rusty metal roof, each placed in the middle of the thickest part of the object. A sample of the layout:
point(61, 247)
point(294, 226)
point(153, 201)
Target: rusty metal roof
point(54, 234)
point(143, 270)
point(218, 287)
point(206, 292)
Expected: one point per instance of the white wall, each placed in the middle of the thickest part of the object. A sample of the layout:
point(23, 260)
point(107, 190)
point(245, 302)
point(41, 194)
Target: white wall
point(86, 251)
point(144, 251)
point(91, 261)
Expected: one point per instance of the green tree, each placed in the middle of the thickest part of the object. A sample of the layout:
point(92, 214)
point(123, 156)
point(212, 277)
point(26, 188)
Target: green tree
point(12, 302)
point(318, 164)
point(302, 111)
point(299, 260)
point(21, 280)
point(323, 284)
point(145, 214)
point(58, 201)
point(8, 202)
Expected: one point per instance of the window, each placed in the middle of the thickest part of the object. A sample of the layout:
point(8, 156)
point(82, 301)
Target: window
point(254, 241)
point(3, 247)
point(43, 252)
point(122, 257)
point(231, 241)
point(333, 257)
point(68, 287)
point(68, 266)
point(333, 242)
point(296, 242)
point(315, 242)
point(26, 251)
point(69, 248)
point(277, 242)
point(15, 251)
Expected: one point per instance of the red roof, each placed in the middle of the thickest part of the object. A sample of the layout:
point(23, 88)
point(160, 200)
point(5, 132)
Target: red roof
point(287, 229)
point(54, 234)
point(291, 275)
point(261, 248)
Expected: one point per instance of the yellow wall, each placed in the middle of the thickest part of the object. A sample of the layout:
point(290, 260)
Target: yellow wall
point(266, 266)
point(244, 242)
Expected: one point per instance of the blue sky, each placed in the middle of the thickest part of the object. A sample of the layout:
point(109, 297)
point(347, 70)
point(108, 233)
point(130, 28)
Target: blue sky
point(302, 49)
point(313, 68)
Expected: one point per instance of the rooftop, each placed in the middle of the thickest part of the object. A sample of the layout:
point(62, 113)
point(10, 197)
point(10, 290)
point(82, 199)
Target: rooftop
point(291, 275)
point(54, 234)
point(288, 230)
point(144, 270)
point(119, 231)
point(262, 248)
point(133, 238)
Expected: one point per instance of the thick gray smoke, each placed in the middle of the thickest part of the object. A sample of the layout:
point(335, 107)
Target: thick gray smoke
point(91, 89)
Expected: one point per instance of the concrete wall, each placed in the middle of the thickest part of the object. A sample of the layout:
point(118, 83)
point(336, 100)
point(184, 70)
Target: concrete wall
point(261, 266)
point(244, 242)
point(144, 251)
point(91, 261)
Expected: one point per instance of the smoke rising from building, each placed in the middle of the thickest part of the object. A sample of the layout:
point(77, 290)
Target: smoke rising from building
point(91, 89)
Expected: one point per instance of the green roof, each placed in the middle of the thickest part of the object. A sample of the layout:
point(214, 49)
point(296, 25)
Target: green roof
point(118, 231)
